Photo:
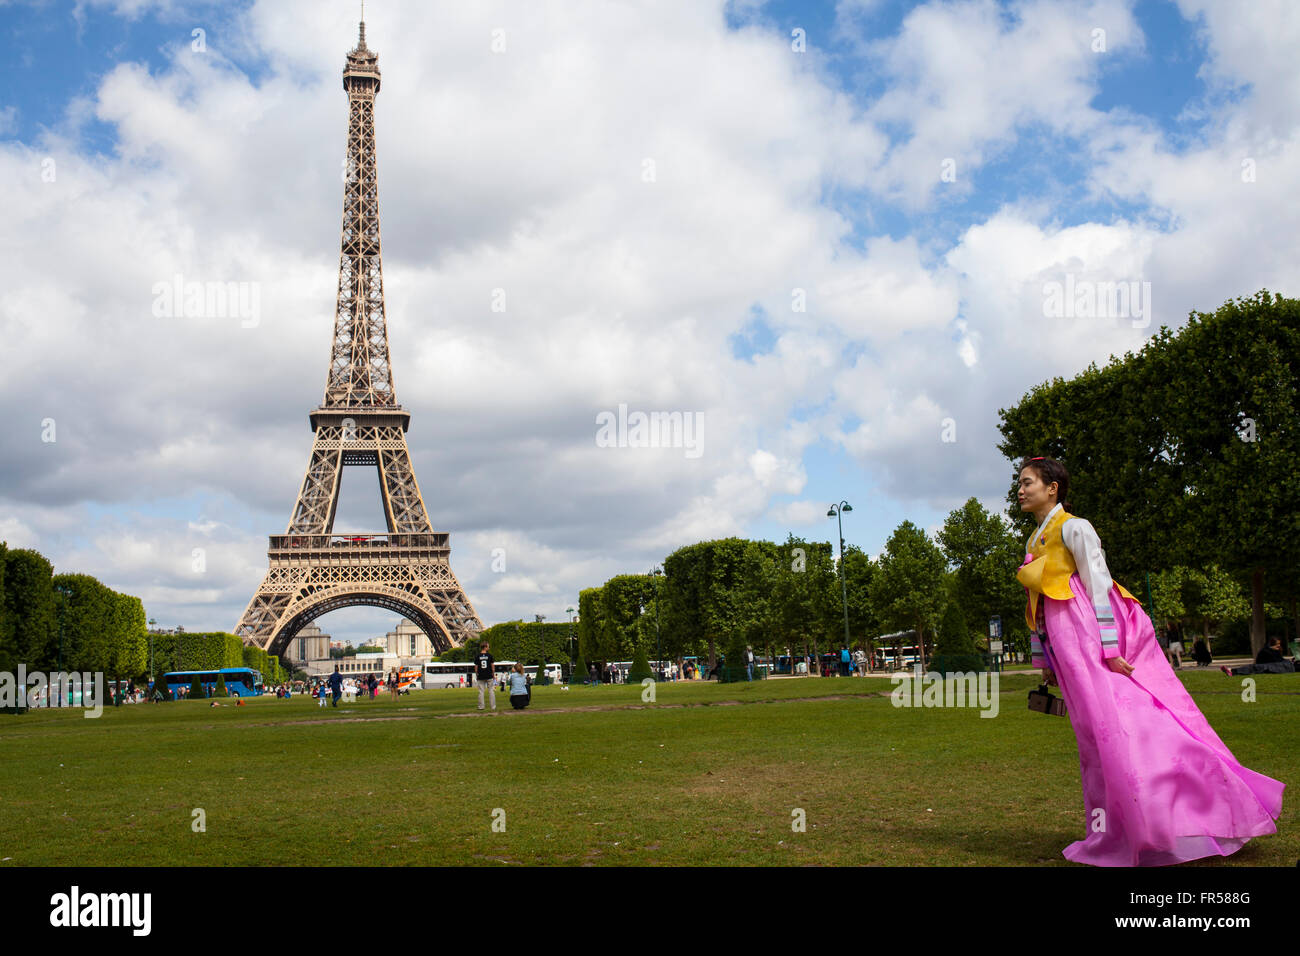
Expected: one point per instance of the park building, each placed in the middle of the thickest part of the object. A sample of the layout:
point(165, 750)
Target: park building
point(310, 645)
point(361, 666)
point(404, 647)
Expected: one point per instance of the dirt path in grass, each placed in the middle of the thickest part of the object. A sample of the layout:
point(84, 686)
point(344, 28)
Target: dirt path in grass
point(564, 710)
point(603, 707)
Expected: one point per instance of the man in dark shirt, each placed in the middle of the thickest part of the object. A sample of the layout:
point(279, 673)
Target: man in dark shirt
point(485, 675)
point(336, 686)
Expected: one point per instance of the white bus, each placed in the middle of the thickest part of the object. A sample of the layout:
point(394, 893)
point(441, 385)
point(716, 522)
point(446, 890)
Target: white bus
point(447, 674)
point(503, 668)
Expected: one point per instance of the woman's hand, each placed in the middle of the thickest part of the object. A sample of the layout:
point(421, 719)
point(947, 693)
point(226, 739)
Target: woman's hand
point(1049, 678)
point(1119, 665)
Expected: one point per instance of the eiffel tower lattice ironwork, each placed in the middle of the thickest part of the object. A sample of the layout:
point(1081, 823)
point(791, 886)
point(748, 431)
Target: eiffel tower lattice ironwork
point(312, 570)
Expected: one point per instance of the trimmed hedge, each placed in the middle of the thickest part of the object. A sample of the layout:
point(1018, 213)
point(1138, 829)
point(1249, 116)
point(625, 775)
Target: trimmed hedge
point(736, 673)
point(958, 663)
point(199, 651)
point(640, 669)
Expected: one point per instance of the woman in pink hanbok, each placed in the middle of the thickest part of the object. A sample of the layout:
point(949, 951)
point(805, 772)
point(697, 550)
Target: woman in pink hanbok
point(1159, 786)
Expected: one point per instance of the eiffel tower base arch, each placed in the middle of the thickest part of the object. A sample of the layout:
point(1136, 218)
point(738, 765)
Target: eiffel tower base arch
point(312, 575)
point(303, 612)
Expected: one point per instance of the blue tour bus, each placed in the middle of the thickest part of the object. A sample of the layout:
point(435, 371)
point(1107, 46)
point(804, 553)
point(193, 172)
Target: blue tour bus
point(240, 681)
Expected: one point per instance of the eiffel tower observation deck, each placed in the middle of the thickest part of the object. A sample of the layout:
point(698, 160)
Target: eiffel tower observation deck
point(405, 568)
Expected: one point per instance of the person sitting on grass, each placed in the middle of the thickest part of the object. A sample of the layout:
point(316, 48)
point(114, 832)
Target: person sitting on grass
point(1268, 661)
point(519, 693)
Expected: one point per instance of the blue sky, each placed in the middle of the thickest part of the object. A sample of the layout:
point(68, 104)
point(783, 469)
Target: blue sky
point(922, 293)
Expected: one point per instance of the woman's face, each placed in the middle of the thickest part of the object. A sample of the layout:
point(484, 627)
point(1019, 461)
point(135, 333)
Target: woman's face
point(1034, 495)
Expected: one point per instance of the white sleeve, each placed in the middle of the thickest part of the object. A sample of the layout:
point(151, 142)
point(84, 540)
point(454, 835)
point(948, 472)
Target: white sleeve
point(1081, 538)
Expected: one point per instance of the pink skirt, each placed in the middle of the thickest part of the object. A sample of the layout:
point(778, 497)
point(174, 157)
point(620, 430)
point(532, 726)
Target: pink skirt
point(1159, 786)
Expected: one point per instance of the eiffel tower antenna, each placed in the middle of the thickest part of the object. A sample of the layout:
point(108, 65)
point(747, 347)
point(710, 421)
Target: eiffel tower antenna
point(406, 569)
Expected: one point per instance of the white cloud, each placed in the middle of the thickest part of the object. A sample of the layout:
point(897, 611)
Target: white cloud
point(16, 534)
point(801, 515)
point(967, 77)
point(522, 171)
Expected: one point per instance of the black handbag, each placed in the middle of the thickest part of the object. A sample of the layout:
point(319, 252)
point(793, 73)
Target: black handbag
point(1044, 702)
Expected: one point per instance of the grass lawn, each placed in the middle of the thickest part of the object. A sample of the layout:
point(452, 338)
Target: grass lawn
point(709, 774)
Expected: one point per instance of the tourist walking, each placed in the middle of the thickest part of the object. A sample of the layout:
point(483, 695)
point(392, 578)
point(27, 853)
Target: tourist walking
point(1159, 786)
point(485, 675)
point(1174, 637)
point(336, 686)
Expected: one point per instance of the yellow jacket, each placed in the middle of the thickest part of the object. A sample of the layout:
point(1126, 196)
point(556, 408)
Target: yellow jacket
point(1049, 571)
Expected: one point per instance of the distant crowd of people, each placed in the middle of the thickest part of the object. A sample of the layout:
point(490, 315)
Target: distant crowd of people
point(336, 686)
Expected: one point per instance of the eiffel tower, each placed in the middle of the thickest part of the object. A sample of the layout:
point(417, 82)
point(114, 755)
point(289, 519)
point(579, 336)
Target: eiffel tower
point(407, 569)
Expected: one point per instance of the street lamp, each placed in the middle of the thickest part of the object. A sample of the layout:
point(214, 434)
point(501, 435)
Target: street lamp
point(541, 643)
point(837, 512)
point(573, 657)
point(655, 572)
point(66, 592)
point(152, 624)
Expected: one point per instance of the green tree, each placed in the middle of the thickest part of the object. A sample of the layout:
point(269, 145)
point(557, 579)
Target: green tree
point(129, 642)
point(805, 595)
point(8, 651)
point(679, 600)
point(1167, 595)
point(29, 609)
point(954, 636)
point(984, 553)
point(220, 689)
point(624, 596)
point(85, 610)
point(910, 585)
point(860, 577)
point(1197, 600)
point(640, 668)
point(1161, 444)
point(708, 590)
point(591, 624)
point(162, 686)
point(196, 689)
